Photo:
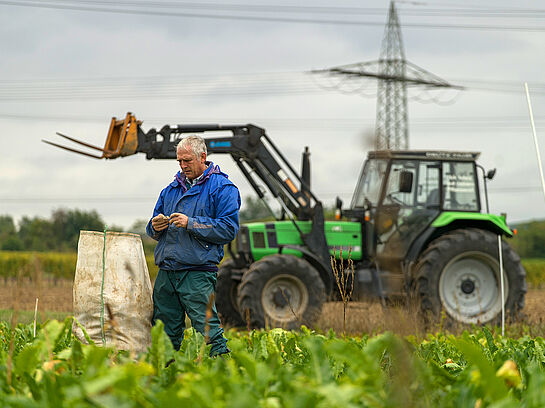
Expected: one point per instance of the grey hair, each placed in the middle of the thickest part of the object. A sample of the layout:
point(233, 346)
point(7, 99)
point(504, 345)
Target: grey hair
point(195, 143)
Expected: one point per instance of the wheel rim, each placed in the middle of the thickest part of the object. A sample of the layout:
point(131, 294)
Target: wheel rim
point(284, 298)
point(469, 288)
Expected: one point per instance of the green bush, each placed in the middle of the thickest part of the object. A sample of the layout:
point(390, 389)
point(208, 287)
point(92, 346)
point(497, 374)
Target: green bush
point(29, 264)
point(530, 240)
point(535, 272)
point(152, 268)
point(55, 264)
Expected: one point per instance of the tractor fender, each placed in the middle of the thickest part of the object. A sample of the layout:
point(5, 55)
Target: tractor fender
point(491, 222)
point(317, 263)
point(440, 227)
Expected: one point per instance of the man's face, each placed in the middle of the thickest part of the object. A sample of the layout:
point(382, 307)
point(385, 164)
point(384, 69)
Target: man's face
point(191, 165)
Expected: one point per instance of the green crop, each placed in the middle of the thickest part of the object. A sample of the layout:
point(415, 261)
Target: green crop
point(58, 265)
point(274, 368)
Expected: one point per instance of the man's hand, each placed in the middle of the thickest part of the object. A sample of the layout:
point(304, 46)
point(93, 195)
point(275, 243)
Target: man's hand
point(159, 222)
point(178, 219)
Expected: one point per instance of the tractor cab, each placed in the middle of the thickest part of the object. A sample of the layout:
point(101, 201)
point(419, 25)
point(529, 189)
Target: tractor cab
point(400, 193)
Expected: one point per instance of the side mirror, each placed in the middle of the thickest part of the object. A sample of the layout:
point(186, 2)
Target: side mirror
point(405, 181)
point(491, 173)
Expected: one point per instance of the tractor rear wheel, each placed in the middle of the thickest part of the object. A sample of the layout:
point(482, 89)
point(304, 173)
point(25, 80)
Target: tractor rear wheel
point(281, 291)
point(459, 273)
point(226, 295)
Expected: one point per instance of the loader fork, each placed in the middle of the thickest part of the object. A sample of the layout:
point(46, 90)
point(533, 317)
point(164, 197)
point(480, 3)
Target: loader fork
point(122, 139)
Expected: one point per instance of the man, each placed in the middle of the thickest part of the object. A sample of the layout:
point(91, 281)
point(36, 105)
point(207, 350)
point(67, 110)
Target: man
point(194, 217)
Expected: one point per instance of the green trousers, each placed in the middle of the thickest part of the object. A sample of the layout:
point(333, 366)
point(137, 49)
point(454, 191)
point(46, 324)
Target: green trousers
point(177, 293)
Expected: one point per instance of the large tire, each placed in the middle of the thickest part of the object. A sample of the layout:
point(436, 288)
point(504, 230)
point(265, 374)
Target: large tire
point(281, 291)
point(226, 295)
point(459, 273)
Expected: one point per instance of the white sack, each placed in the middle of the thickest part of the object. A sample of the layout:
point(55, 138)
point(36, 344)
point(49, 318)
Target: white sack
point(127, 290)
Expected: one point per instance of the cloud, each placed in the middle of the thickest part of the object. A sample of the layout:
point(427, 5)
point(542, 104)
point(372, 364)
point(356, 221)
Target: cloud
point(76, 45)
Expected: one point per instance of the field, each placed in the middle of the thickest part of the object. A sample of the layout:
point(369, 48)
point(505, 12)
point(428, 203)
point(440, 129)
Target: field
point(55, 301)
point(386, 359)
point(48, 276)
point(273, 368)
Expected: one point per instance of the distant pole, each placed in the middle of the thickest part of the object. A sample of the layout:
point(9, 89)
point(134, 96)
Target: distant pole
point(535, 138)
point(35, 317)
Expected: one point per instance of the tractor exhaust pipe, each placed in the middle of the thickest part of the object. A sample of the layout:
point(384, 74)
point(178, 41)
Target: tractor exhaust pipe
point(305, 173)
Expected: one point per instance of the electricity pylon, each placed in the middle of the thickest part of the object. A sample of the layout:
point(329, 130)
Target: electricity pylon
point(394, 74)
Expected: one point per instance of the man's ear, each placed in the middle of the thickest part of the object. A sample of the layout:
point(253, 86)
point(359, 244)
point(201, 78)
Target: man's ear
point(203, 157)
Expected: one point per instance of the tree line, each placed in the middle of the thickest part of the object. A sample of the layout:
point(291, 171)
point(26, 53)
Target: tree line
point(530, 239)
point(60, 232)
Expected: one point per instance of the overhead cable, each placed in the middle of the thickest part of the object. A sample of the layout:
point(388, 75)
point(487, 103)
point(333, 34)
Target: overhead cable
point(256, 18)
point(251, 84)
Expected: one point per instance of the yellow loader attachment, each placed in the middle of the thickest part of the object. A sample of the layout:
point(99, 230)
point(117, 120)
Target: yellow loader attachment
point(122, 139)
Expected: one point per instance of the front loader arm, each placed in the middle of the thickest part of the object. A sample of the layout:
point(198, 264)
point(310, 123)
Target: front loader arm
point(249, 146)
point(252, 150)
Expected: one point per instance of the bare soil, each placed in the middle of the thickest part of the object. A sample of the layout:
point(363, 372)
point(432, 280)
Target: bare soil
point(361, 317)
point(54, 295)
point(372, 317)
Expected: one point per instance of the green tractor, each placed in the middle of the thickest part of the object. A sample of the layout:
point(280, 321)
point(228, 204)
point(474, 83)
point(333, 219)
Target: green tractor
point(414, 230)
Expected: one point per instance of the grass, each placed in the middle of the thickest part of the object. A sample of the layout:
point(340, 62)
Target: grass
point(27, 316)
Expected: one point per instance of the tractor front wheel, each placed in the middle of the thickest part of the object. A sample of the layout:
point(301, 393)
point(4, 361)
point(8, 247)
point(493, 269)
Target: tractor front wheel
point(281, 291)
point(459, 273)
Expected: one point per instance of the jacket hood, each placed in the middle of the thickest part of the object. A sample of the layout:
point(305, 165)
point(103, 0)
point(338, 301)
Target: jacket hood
point(180, 178)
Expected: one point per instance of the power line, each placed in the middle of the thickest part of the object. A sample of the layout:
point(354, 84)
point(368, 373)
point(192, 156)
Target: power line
point(199, 79)
point(441, 120)
point(144, 199)
point(291, 9)
point(256, 18)
point(149, 87)
point(321, 124)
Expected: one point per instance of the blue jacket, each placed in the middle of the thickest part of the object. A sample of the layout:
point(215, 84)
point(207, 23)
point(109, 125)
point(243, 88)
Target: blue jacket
point(212, 207)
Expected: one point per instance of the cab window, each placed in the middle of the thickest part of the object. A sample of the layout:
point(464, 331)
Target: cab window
point(393, 195)
point(459, 187)
point(427, 188)
point(370, 183)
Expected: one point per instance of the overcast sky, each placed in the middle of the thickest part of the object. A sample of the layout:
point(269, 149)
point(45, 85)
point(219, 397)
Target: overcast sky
point(71, 70)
